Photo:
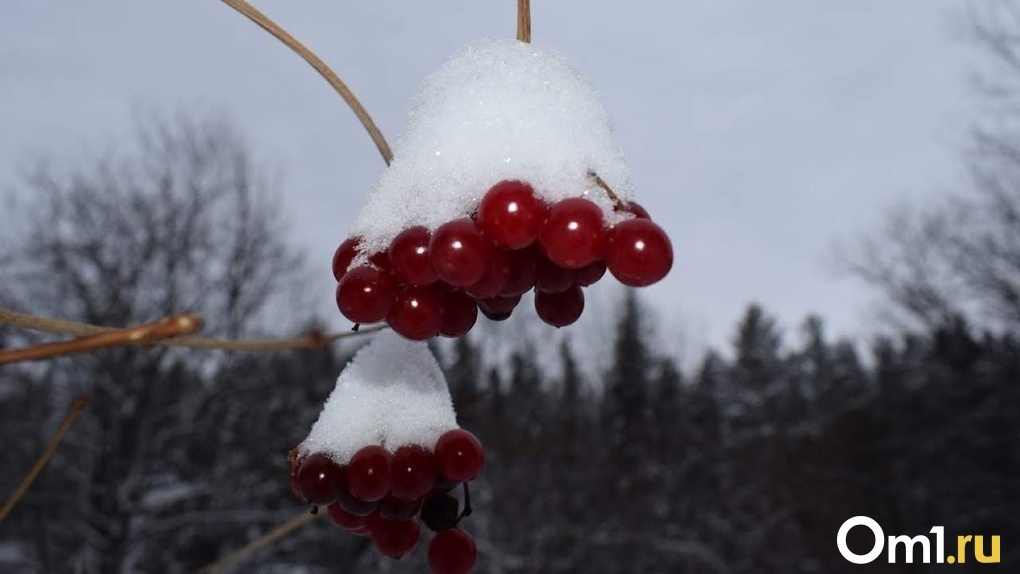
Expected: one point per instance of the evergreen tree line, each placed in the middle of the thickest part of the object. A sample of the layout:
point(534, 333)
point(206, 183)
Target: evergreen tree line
point(750, 464)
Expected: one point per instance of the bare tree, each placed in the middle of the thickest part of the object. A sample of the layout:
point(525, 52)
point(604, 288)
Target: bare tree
point(961, 257)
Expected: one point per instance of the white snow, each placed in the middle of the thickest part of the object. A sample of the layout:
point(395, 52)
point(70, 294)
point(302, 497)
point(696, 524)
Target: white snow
point(500, 109)
point(392, 393)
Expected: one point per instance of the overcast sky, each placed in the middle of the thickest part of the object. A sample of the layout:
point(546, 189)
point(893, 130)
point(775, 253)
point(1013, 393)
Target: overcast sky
point(758, 132)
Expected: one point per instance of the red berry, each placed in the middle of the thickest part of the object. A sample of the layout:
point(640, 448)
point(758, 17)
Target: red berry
point(459, 455)
point(414, 472)
point(520, 272)
point(380, 259)
point(550, 277)
point(638, 252)
point(459, 313)
point(363, 531)
point(460, 254)
point(345, 519)
point(416, 313)
point(638, 211)
point(511, 214)
point(343, 256)
point(393, 508)
point(319, 479)
point(393, 538)
point(365, 294)
point(572, 235)
point(346, 500)
point(499, 308)
point(560, 309)
point(590, 273)
point(492, 283)
point(368, 474)
point(409, 257)
point(452, 552)
point(440, 511)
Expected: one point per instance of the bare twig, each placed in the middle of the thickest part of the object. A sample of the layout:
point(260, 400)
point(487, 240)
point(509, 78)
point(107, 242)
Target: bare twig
point(334, 80)
point(261, 542)
point(524, 20)
point(146, 334)
point(618, 204)
point(313, 340)
point(79, 404)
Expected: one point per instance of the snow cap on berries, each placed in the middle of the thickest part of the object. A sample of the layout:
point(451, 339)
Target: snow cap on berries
point(499, 110)
point(392, 393)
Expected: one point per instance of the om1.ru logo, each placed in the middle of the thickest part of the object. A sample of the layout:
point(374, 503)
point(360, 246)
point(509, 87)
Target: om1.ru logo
point(908, 543)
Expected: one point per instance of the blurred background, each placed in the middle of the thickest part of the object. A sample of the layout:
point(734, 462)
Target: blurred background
point(838, 336)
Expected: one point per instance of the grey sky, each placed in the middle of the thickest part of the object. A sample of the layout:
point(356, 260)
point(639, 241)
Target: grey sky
point(758, 132)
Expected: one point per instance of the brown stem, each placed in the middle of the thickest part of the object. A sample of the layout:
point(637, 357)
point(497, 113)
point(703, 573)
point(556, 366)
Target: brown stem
point(79, 404)
point(524, 20)
point(314, 340)
point(618, 204)
point(141, 335)
point(265, 540)
point(334, 80)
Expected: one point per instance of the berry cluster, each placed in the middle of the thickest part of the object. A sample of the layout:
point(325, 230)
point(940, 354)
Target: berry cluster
point(383, 494)
point(434, 283)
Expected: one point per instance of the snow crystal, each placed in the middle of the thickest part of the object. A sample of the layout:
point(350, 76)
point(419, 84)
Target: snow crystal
point(500, 109)
point(392, 393)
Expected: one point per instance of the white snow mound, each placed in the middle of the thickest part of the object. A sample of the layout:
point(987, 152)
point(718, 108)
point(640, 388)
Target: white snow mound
point(392, 393)
point(500, 109)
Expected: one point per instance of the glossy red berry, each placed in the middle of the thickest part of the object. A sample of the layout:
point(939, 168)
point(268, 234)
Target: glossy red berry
point(393, 538)
point(393, 508)
point(550, 277)
point(414, 472)
point(511, 214)
point(416, 313)
point(459, 312)
point(346, 500)
point(491, 284)
point(499, 308)
point(590, 273)
point(459, 455)
point(344, 519)
point(560, 309)
point(452, 552)
point(409, 257)
point(365, 294)
point(572, 235)
point(520, 272)
point(638, 252)
point(368, 474)
point(343, 256)
point(319, 479)
point(638, 211)
point(460, 254)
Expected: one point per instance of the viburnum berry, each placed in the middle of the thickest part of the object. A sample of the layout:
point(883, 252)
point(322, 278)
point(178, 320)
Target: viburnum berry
point(491, 284)
point(319, 479)
point(638, 211)
point(520, 272)
point(452, 552)
point(459, 455)
point(393, 508)
point(416, 313)
point(460, 254)
point(413, 471)
point(590, 273)
point(560, 309)
point(573, 232)
point(344, 519)
point(638, 252)
point(365, 294)
point(409, 257)
point(498, 308)
point(393, 538)
point(550, 277)
point(368, 474)
point(458, 311)
point(440, 511)
point(346, 500)
point(511, 214)
point(343, 256)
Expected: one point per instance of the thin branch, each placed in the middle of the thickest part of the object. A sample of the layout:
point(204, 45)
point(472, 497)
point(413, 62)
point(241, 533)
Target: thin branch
point(146, 334)
point(263, 541)
point(524, 20)
point(334, 80)
point(313, 340)
point(618, 204)
point(79, 404)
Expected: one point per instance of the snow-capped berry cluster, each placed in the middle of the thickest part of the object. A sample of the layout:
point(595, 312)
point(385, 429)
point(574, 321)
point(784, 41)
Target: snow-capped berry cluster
point(433, 283)
point(383, 494)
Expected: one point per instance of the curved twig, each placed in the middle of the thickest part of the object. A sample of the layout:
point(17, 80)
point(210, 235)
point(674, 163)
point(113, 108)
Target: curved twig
point(261, 542)
point(524, 20)
point(334, 80)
